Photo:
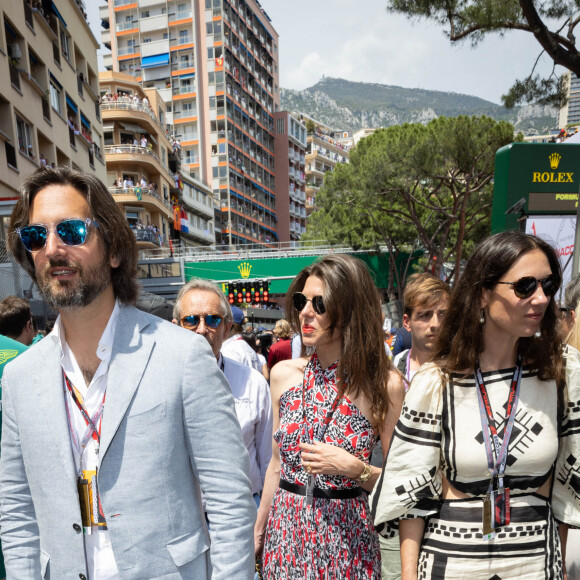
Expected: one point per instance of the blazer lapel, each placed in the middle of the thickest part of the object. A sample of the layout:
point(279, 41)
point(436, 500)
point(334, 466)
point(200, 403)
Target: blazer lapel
point(131, 351)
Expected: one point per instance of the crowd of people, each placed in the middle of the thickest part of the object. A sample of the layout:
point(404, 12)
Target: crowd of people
point(129, 99)
point(193, 450)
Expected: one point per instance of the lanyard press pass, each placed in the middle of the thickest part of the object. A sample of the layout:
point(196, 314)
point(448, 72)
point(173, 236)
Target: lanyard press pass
point(87, 486)
point(496, 503)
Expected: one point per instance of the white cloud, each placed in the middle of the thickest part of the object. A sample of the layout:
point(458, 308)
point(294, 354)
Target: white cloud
point(360, 41)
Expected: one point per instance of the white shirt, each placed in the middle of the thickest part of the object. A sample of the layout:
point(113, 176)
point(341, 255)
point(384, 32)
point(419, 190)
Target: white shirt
point(101, 563)
point(238, 349)
point(254, 411)
point(296, 346)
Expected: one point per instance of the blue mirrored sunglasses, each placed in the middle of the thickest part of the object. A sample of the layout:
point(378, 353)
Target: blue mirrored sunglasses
point(191, 321)
point(72, 232)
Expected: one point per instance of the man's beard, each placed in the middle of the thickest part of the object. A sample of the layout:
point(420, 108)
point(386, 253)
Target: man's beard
point(73, 294)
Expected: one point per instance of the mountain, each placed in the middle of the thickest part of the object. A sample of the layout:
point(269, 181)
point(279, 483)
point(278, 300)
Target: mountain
point(350, 106)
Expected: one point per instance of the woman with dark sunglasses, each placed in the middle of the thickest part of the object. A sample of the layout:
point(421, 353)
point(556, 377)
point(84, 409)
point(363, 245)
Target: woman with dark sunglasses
point(329, 410)
point(484, 465)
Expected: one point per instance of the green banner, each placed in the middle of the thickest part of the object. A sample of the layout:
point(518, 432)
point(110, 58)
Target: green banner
point(281, 271)
point(545, 175)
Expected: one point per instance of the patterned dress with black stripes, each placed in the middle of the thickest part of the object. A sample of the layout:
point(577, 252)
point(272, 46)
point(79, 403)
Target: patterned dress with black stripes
point(439, 434)
point(334, 539)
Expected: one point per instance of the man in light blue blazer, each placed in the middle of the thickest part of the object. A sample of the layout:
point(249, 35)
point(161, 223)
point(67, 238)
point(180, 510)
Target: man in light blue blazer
point(114, 423)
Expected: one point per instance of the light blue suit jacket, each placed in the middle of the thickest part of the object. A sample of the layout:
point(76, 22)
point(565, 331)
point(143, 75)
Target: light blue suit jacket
point(169, 428)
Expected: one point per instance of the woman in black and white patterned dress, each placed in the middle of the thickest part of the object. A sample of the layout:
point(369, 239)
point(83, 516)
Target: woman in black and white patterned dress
point(484, 467)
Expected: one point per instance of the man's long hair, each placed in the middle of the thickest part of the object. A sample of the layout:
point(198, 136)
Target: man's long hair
point(113, 228)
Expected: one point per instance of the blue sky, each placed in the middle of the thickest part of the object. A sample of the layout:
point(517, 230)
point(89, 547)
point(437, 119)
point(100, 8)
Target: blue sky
point(359, 41)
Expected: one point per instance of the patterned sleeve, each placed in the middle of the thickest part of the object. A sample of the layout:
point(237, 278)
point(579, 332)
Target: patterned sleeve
point(410, 483)
point(566, 491)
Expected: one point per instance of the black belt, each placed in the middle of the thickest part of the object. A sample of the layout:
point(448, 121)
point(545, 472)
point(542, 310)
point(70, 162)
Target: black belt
point(347, 493)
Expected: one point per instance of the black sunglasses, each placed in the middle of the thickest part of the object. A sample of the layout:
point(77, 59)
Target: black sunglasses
point(299, 301)
point(191, 321)
point(72, 232)
point(527, 285)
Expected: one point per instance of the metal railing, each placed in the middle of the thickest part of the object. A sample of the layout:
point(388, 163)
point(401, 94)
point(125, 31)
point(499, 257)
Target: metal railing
point(250, 251)
point(139, 192)
point(132, 106)
point(134, 150)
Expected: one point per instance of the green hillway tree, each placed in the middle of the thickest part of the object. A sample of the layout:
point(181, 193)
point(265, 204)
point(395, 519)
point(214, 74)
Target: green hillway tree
point(413, 187)
point(552, 22)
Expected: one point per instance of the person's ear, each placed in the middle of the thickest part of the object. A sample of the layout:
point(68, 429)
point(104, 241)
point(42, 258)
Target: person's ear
point(407, 322)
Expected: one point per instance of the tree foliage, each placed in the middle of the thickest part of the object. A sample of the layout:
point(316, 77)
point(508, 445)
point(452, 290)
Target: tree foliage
point(414, 186)
point(552, 22)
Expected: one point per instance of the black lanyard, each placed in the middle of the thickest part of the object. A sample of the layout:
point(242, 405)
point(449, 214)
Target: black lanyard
point(497, 467)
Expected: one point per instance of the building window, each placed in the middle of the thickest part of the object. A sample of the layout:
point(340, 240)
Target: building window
point(65, 44)
point(56, 98)
point(24, 137)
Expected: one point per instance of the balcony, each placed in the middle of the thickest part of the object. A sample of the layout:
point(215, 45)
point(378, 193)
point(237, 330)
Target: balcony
point(198, 233)
point(135, 152)
point(155, 47)
point(153, 23)
point(178, 41)
point(199, 207)
point(185, 89)
point(143, 195)
point(122, 26)
point(146, 236)
point(150, 3)
point(118, 105)
point(125, 50)
point(184, 64)
point(180, 15)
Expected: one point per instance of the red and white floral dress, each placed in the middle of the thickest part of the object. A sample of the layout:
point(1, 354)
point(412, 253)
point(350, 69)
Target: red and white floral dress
point(333, 539)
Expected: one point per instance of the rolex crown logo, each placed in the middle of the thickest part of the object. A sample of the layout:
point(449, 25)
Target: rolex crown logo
point(245, 269)
point(555, 160)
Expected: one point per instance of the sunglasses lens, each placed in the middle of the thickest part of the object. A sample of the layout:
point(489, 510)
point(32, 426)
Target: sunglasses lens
point(213, 321)
point(190, 322)
point(549, 286)
point(33, 237)
point(299, 301)
point(318, 305)
point(72, 232)
point(525, 287)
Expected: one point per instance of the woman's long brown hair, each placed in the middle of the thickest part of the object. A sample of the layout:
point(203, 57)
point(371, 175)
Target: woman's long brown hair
point(353, 306)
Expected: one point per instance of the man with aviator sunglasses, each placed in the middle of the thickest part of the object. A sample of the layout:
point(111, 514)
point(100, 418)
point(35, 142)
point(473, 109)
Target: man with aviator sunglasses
point(109, 422)
point(202, 308)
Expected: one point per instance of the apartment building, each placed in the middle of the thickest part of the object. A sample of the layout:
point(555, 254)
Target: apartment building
point(289, 165)
point(569, 114)
point(137, 153)
point(49, 100)
point(323, 152)
point(215, 64)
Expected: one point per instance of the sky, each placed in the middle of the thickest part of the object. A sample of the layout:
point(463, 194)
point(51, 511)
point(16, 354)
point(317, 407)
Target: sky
point(358, 40)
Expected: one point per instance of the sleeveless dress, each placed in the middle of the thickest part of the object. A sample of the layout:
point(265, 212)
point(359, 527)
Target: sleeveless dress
point(439, 433)
point(334, 539)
